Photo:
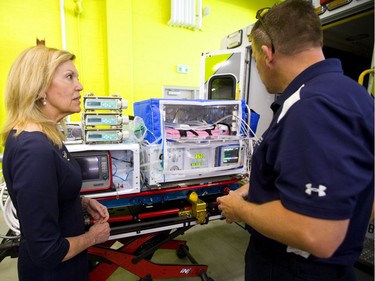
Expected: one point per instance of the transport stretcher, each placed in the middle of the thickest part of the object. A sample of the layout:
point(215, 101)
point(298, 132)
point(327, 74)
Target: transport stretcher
point(144, 228)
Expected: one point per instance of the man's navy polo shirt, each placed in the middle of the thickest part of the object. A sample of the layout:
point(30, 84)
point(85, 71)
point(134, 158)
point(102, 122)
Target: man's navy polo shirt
point(317, 156)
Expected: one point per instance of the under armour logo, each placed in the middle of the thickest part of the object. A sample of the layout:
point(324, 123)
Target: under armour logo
point(320, 190)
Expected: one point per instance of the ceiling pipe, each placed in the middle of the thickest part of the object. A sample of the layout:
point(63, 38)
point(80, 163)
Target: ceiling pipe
point(62, 23)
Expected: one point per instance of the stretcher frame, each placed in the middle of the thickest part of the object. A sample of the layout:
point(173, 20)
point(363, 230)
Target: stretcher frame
point(142, 239)
point(135, 257)
point(142, 235)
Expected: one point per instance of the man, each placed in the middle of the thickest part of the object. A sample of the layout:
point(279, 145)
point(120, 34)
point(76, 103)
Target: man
point(311, 183)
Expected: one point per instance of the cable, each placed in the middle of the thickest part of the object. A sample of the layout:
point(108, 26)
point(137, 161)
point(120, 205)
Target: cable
point(124, 161)
point(122, 168)
point(123, 179)
point(9, 212)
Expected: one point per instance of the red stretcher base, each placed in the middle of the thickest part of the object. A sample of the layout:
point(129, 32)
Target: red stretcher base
point(135, 256)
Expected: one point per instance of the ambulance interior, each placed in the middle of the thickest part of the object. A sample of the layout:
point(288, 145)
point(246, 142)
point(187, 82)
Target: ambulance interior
point(351, 39)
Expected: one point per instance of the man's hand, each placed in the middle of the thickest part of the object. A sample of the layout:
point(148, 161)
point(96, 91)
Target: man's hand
point(230, 205)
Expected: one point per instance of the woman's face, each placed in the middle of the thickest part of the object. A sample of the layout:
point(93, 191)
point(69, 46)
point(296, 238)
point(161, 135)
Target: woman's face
point(63, 96)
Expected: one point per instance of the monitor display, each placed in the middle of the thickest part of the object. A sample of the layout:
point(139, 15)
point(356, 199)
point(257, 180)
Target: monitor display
point(96, 170)
point(231, 154)
point(89, 167)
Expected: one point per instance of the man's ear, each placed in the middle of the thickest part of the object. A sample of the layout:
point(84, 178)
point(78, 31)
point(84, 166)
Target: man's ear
point(267, 54)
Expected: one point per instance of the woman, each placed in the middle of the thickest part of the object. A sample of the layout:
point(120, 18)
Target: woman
point(42, 178)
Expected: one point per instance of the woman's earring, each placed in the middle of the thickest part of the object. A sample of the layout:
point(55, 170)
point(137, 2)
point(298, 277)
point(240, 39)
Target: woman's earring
point(44, 101)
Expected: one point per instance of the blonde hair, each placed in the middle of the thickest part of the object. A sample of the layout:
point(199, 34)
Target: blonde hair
point(29, 79)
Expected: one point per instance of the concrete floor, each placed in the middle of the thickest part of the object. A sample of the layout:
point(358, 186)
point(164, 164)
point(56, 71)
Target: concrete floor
point(219, 245)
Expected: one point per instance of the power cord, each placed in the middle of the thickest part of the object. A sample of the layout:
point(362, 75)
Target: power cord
point(9, 212)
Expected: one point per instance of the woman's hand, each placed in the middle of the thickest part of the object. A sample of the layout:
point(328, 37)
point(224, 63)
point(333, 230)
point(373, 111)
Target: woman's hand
point(96, 210)
point(100, 231)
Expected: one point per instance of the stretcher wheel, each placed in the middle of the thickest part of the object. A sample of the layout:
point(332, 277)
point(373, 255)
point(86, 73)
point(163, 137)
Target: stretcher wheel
point(147, 278)
point(182, 251)
point(204, 276)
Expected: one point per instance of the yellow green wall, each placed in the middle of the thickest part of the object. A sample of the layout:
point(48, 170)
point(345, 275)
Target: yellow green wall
point(122, 46)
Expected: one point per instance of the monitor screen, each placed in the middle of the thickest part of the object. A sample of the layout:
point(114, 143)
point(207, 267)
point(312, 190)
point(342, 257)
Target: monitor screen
point(231, 154)
point(89, 167)
point(96, 169)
